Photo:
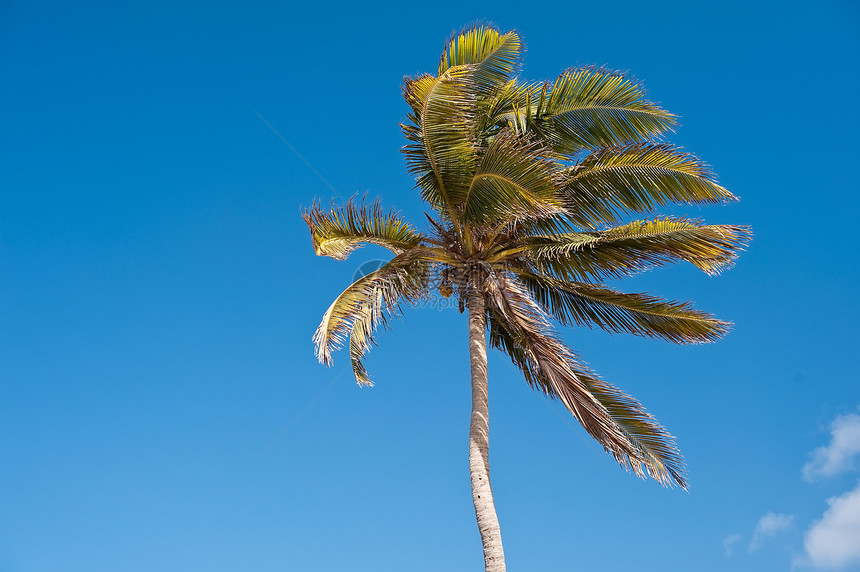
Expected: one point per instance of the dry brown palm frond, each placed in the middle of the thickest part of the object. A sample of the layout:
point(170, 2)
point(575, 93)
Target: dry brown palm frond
point(617, 421)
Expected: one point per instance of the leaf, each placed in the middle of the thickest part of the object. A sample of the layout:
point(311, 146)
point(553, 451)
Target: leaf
point(365, 301)
point(617, 421)
point(640, 314)
point(637, 178)
point(511, 105)
point(590, 108)
point(637, 246)
point(492, 57)
point(340, 231)
point(442, 151)
point(514, 177)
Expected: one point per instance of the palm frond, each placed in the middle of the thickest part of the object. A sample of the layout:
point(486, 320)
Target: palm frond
point(441, 131)
point(363, 306)
point(514, 177)
point(340, 231)
point(510, 105)
point(589, 108)
point(640, 314)
point(617, 421)
point(491, 56)
point(637, 178)
point(652, 442)
point(416, 90)
point(637, 246)
point(368, 319)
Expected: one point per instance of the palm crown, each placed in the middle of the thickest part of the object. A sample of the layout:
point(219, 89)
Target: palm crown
point(532, 188)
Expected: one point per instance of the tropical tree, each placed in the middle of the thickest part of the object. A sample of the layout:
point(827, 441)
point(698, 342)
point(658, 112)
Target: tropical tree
point(531, 188)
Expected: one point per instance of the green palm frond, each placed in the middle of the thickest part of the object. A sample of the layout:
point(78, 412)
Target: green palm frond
point(415, 92)
point(637, 178)
point(511, 105)
point(617, 421)
point(491, 56)
point(589, 108)
point(637, 246)
point(513, 178)
point(340, 231)
point(640, 314)
point(442, 151)
point(366, 301)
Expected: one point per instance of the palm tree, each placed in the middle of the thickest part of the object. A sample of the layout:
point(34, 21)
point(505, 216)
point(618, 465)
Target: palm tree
point(530, 185)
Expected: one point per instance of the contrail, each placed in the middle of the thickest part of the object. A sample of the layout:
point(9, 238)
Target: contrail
point(299, 155)
point(302, 412)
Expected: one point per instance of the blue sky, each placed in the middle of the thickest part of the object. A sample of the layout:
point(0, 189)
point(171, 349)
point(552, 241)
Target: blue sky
point(160, 404)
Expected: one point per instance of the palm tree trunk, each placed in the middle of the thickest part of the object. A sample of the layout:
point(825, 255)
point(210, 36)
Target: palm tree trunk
point(479, 438)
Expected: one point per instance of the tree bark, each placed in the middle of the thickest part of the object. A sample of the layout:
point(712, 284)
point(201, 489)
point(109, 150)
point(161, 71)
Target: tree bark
point(479, 437)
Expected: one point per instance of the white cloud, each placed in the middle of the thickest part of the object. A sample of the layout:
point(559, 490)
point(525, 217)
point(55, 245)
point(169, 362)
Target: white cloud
point(729, 543)
point(837, 456)
point(769, 526)
point(833, 542)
